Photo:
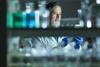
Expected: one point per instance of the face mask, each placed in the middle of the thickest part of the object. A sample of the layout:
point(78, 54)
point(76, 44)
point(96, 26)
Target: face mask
point(55, 24)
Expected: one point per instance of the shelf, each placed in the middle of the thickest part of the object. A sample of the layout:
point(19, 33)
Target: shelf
point(93, 32)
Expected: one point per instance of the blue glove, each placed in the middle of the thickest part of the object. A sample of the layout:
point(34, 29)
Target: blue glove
point(66, 41)
point(78, 42)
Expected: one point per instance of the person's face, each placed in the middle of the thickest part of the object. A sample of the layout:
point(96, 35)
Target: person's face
point(56, 16)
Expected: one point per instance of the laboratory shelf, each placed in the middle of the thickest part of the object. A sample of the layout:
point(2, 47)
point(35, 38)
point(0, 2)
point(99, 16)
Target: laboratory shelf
point(91, 32)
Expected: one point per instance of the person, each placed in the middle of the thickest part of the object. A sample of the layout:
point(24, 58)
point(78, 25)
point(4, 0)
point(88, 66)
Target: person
point(51, 43)
point(54, 21)
point(55, 14)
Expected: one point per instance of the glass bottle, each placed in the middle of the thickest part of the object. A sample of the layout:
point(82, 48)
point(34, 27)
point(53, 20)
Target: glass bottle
point(44, 13)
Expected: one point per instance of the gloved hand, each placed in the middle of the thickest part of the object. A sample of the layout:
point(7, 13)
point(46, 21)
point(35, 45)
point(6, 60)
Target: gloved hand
point(78, 42)
point(65, 41)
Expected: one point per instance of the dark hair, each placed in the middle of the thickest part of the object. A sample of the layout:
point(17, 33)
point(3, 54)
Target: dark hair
point(50, 5)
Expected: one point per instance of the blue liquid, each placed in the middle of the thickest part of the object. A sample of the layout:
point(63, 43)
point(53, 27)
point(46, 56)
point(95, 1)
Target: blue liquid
point(30, 20)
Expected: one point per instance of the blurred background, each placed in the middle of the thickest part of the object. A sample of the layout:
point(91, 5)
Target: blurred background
point(79, 34)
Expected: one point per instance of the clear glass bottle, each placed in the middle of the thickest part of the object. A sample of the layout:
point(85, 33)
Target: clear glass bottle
point(44, 13)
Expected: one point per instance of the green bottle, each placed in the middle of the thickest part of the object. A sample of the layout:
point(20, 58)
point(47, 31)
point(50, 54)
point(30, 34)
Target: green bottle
point(9, 23)
point(17, 20)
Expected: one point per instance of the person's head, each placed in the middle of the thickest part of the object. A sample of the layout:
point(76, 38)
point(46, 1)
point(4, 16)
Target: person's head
point(55, 14)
